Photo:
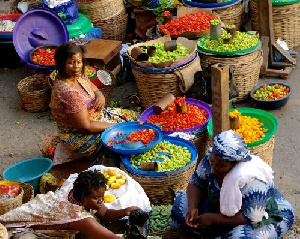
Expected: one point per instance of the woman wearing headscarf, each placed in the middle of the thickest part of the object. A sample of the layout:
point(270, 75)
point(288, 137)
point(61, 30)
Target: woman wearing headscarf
point(232, 195)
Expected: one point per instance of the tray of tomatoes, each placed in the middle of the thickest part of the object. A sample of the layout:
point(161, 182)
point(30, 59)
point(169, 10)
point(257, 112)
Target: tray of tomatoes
point(43, 55)
point(191, 26)
point(129, 138)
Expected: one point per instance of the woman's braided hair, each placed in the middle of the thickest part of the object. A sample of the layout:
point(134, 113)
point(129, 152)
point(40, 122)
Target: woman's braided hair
point(86, 182)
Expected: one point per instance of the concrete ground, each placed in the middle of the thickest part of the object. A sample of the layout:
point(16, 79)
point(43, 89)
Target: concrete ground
point(20, 132)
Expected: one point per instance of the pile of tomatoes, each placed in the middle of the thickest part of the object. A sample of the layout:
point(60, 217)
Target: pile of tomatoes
point(143, 135)
point(44, 56)
point(196, 22)
point(171, 120)
point(272, 92)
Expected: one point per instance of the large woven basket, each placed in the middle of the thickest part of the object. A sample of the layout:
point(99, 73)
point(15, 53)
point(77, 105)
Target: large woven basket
point(6, 206)
point(161, 190)
point(35, 92)
point(201, 144)
point(286, 21)
point(246, 70)
point(152, 87)
point(100, 9)
point(264, 151)
point(56, 234)
point(233, 14)
point(113, 27)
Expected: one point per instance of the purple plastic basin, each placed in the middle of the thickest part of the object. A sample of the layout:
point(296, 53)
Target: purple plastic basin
point(38, 27)
point(202, 105)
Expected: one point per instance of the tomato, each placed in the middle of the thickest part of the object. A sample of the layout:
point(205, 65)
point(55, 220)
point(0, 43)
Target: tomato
point(44, 56)
point(190, 22)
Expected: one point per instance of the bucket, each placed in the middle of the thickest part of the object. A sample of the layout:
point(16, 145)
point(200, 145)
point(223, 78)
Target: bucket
point(28, 171)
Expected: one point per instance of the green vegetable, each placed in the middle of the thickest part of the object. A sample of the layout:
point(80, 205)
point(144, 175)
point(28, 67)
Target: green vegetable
point(215, 22)
point(241, 41)
point(162, 55)
point(230, 26)
point(160, 218)
point(180, 156)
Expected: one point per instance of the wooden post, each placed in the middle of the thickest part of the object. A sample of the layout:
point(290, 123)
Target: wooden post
point(220, 97)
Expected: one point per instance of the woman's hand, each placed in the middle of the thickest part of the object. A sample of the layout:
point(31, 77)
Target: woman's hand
point(128, 210)
point(205, 220)
point(99, 101)
point(191, 215)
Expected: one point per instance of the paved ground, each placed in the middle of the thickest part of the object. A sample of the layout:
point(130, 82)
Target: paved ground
point(20, 131)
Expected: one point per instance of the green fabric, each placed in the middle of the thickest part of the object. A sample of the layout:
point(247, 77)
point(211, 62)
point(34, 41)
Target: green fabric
point(274, 217)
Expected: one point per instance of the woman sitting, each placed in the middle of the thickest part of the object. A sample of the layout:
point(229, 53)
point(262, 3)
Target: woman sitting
point(69, 210)
point(232, 195)
point(78, 105)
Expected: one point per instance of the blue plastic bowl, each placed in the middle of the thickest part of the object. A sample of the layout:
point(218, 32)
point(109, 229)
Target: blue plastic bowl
point(29, 171)
point(270, 104)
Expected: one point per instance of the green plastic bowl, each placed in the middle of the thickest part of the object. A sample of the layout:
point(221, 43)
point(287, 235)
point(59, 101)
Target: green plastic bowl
point(264, 117)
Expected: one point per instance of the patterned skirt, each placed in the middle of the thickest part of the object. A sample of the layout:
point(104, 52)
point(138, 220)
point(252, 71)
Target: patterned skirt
point(86, 144)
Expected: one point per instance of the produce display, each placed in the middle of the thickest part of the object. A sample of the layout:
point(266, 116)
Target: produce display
point(44, 56)
point(271, 92)
point(160, 218)
point(195, 22)
point(242, 41)
point(173, 157)
point(143, 135)
point(171, 120)
point(114, 179)
point(162, 55)
point(89, 71)
point(250, 129)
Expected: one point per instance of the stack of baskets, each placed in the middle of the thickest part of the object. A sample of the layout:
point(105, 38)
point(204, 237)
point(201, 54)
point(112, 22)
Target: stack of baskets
point(246, 70)
point(109, 15)
point(286, 21)
point(35, 93)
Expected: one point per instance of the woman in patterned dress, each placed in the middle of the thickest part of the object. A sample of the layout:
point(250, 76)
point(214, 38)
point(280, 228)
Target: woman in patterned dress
point(78, 105)
point(232, 195)
point(70, 209)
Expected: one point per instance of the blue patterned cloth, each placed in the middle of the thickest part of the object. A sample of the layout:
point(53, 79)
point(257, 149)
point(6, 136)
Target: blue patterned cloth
point(230, 146)
point(257, 197)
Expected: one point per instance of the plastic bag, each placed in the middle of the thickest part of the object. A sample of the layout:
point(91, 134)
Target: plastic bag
point(66, 10)
point(137, 226)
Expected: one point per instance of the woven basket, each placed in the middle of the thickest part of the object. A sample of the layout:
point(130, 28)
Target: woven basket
point(175, 234)
point(99, 9)
point(35, 92)
point(152, 87)
point(286, 21)
point(233, 14)
point(6, 206)
point(49, 140)
point(246, 70)
point(114, 27)
point(3, 232)
point(201, 144)
point(161, 190)
point(264, 151)
point(28, 192)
